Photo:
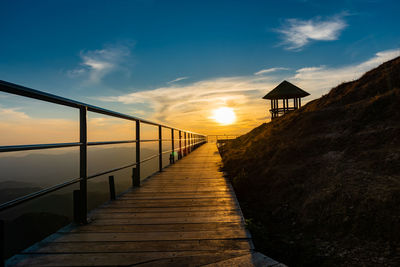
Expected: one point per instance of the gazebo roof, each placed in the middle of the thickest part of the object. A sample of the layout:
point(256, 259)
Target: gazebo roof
point(286, 90)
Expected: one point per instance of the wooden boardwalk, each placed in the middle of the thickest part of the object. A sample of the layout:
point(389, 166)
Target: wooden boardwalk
point(187, 215)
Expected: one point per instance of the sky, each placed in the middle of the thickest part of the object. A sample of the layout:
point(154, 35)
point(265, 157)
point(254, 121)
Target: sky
point(176, 62)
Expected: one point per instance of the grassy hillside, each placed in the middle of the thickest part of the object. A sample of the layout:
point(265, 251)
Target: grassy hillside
point(321, 185)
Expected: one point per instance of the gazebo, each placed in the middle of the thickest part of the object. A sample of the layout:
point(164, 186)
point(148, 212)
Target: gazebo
point(285, 91)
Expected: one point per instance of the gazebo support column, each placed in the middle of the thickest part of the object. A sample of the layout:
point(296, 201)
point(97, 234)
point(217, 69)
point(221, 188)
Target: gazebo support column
point(287, 105)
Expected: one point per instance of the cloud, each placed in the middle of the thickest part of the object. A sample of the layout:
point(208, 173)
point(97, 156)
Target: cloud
point(178, 79)
point(96, 64)
point(186, 106)
point(12, 114)
point(265, 71)
point(297, 33)
point(320, 79)
point(191, 105)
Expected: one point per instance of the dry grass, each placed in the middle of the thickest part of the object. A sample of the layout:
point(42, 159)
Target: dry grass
point(322, 184)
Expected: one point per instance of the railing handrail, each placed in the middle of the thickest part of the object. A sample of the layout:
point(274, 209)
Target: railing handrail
point(16, 89)
point(191, 140)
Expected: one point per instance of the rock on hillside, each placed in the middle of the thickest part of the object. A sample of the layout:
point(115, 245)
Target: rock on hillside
point(322, 184)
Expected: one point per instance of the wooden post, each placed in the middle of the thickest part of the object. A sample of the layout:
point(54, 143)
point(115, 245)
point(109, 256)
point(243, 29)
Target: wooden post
point(136, 170)
point(299, 102)
point(287, 104)
point(83, 163)
point(160, 148)
point(112, 187)
point(272, 108)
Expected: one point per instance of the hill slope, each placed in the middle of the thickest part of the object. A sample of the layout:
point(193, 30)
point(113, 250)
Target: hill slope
point(321, 185)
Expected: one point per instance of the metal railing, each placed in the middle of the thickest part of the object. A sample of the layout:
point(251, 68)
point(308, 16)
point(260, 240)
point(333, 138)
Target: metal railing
point(190, 141)
point(215, 138)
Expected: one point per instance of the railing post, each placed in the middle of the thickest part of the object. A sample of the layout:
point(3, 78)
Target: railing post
point(2, 243)
point(180, 145)
point(135, 177)
point(160, 148)
point(112, 187)
point(83, 164)
point(172, 146)
point(136, 170)
point(77, 202)
point(190, 143)
point(185, 149)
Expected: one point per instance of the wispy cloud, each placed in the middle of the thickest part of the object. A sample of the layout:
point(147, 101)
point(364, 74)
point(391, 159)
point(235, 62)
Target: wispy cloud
point(191, 105)
point(12, 114)
point(265, 71)
point(297, 33)
point(96, 64)
point(178, 79)
point(320, 79)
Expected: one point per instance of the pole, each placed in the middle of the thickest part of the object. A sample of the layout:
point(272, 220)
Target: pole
point(180, 145)
point(172, 145)
point(83, 164)
point(137, 167)
point(160, 148)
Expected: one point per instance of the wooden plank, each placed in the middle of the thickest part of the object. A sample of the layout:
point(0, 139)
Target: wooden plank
point(168, 190)
point(176, 195)
point(141, 246)
point(173, 202)
point(176, 258)
point(131, 228)
point(102, 214)
point(173, 199)
point(168, 220)
point(142, 236)
point(168, 209)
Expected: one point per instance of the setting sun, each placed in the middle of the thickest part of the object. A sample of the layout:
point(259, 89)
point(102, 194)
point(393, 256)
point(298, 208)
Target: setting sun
point(224, 115)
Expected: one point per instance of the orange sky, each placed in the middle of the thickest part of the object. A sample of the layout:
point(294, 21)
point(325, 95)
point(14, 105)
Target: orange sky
point(189, 106)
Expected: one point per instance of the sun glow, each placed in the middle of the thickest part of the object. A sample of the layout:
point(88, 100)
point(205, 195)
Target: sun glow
point(224, 115)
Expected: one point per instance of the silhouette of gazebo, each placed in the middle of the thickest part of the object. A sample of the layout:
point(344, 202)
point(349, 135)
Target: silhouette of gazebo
point(285, 91)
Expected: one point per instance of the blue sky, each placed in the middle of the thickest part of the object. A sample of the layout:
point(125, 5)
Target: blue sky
point(154, 58)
